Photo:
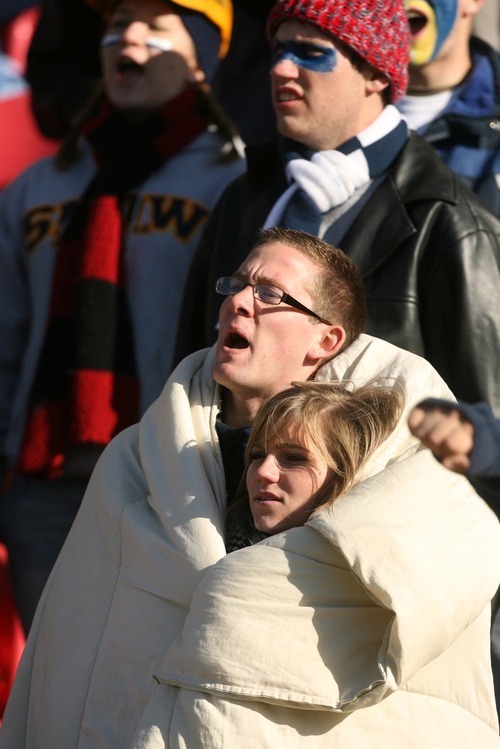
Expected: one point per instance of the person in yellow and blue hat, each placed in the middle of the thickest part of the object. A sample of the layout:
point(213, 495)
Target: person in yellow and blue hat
point(453, 98)
point(95, 244)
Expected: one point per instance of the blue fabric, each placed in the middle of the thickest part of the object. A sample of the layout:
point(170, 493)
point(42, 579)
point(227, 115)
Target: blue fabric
point(232, 442)
point(9, 9)
point(341, 225)
point(475, 97)
point(484, 471)
point(11, 81)
point(301, 211)
point(206, 39)
point(485, 455)
point(382, 153)
point(467, 134)
point(35, 518)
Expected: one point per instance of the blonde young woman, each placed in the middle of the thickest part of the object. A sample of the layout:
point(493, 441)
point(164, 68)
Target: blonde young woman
point(306, 449)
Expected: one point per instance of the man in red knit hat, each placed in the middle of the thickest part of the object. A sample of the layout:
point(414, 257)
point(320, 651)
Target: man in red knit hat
point(347, 169)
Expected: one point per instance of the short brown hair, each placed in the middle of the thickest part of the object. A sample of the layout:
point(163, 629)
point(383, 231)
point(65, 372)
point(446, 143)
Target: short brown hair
point(338, 291)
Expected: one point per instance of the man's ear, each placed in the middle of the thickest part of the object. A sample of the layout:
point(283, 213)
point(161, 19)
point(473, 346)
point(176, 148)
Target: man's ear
point(328, 344)
point(471, 7)
point(375, 82)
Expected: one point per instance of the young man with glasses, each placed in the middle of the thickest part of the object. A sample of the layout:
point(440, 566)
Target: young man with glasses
point(262, 328)
point(153, 518)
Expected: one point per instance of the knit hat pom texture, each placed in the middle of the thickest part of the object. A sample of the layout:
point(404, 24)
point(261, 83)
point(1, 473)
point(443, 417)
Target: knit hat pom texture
point(376, 29)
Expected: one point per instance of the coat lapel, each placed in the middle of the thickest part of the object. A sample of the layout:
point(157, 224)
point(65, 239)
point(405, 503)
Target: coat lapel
point(381, 227)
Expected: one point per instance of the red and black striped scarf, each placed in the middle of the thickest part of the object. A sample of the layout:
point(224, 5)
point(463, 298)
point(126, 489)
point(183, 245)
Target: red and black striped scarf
point(86, 387)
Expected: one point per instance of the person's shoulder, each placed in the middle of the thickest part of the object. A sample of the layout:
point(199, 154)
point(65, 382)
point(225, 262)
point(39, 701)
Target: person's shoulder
point(34, 172)
point(263, 172)
point(123, 447)
point(370, 359)
point(262, 160)
point(418, 155)
point(482, 49)
point(45, 177)
point(421, 175)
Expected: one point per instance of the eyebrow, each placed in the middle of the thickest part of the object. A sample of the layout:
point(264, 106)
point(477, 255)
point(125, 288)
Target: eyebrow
point(263, 279)
point(323, 45)
point(281, 445)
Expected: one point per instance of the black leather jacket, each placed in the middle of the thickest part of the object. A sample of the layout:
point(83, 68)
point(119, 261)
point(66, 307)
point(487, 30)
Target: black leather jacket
point(427, 249)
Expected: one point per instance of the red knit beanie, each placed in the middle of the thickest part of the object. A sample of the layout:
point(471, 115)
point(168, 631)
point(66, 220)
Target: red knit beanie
point(376, 29)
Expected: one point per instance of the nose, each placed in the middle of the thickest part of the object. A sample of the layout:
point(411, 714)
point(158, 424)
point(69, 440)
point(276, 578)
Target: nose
point(135, 33)
point(242, 302)
point(268, 471)
point(283, 67)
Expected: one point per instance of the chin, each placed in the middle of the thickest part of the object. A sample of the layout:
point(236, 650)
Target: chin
point(268, 525)
point(286, 130)
point(264, 528)
point(220, 376)
point(134, 111)
point(229, 373)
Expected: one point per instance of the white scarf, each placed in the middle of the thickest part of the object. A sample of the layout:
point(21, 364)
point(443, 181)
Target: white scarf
point(329, 178)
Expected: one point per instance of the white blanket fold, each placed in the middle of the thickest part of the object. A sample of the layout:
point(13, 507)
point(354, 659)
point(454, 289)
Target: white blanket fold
point(402, 567)
point(341, 613)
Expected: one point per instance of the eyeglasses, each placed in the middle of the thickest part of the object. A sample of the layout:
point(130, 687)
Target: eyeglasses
point(264, 292)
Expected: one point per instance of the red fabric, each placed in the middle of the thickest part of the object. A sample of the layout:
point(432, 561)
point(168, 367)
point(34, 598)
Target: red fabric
point(11, 633)
point(45, 438)
point(102, 404)
point(21, 142)
point(99, 403)
point(105, 403)
point(16, 35)
point(103, 240)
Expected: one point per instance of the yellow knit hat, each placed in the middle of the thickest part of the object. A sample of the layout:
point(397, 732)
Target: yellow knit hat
point(219, 12)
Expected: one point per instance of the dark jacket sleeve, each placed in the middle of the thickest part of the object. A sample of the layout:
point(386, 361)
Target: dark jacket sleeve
point(484, 472)
point(459, 287)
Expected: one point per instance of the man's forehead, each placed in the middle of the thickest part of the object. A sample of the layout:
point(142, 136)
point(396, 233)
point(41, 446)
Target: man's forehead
point(277, 263)
point(299, 31)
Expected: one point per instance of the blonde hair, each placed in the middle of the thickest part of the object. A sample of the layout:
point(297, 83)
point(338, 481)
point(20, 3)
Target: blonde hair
point(345, 426)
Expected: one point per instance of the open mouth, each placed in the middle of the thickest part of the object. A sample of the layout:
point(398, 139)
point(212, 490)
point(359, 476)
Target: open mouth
point(286, 96)
point(125, 66)
point(283, 96)
point(234, 340)
point(417, 22)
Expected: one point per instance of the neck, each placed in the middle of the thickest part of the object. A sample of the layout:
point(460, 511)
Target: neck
point(238, 413)
point(426, 79)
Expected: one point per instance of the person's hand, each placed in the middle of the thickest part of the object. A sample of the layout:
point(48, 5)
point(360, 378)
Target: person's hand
point(446, 432)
